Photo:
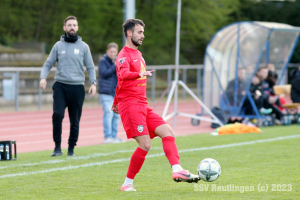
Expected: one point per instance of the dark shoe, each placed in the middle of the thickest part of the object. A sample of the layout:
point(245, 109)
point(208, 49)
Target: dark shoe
point(71, 152)
point(57, 152)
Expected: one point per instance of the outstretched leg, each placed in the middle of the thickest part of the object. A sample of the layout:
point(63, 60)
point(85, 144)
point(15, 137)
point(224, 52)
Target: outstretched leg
point(168, 140)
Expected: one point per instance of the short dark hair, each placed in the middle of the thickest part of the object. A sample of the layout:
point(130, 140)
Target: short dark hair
point(129, 24)
point(69, 18)
point(112, 45)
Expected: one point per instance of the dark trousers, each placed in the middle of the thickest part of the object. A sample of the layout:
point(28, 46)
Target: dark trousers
point(71, 96)
point(275, 109)
point(248, 107)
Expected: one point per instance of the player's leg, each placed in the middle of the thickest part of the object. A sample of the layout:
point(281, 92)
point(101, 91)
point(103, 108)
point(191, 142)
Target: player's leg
point(134, 123)
point(136, 161)
point(165, 132)
point(59, 106)
point(168, 140)
point(158, 127)
point(75, 101)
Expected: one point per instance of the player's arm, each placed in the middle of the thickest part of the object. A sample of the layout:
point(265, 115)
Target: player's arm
point(51, 60)
point(125, 74)
point(114, 107)
point(123, 70)
point(146, 73)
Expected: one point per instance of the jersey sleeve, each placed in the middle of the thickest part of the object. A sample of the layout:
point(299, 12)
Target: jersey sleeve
point(123, 70)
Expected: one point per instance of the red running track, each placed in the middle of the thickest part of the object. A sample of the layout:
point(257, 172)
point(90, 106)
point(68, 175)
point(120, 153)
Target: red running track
point(33, 130)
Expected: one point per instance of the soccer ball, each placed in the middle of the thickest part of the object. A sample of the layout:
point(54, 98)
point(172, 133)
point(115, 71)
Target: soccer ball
point(209, 169)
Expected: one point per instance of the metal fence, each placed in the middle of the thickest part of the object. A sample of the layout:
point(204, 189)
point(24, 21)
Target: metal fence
point(21, 84)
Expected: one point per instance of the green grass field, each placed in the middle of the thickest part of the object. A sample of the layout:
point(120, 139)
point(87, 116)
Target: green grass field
point(268, 167)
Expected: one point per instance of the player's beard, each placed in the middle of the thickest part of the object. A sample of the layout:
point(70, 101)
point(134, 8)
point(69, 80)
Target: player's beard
point(135, 42)
point(71, 34)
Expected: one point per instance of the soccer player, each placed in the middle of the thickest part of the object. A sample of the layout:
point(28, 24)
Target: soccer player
point(139, 120)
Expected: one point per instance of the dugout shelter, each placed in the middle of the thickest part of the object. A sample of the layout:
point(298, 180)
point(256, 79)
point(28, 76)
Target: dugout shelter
point(244, 45)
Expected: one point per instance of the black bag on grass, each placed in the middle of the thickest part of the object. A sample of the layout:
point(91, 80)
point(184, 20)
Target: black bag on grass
point(220, 114)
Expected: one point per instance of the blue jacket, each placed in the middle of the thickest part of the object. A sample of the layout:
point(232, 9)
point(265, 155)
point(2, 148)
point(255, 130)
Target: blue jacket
point(107, 76)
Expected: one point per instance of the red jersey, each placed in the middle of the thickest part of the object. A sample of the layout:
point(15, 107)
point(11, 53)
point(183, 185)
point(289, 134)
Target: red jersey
point(131, 88)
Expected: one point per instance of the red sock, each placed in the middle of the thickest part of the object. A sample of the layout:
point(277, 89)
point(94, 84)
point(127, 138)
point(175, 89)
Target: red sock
point(136, 162)
point(171, 150)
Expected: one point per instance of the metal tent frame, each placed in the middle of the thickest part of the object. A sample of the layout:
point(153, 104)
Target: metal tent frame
point(176, 82)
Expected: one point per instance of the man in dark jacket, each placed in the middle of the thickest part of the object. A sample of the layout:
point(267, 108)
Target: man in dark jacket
point(269, 100)
point(255, 91)
point(107, 87)
point(295, 82)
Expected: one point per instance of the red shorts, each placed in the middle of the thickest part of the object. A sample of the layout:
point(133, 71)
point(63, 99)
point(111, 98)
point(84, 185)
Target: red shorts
point(140, 120)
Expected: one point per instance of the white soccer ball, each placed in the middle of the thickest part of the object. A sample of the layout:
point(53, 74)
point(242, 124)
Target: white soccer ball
point(209, 169)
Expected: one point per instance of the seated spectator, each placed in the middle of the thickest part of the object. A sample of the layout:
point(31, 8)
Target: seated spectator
point(257, 98)
point(272, 77)
point(272, 80)
point(295, 82)
point(269, 100)
point(241, 86)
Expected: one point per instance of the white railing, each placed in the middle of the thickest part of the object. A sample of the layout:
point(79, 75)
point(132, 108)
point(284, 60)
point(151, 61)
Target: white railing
point(14, 74)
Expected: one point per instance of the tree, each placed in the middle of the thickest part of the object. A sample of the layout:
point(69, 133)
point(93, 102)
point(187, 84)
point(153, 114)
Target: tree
point(272, 11)
point(199, 21)
point(100, 22)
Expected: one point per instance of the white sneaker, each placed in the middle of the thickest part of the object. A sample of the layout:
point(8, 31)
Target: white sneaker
point(117, 140)
point(128, 188)
point(277, 122)
point(108, 140)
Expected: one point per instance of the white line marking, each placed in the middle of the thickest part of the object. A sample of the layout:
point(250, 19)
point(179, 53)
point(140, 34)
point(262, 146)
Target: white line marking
point(149, 156)
point(74, 158)
point(66, 130)
point(66, 168)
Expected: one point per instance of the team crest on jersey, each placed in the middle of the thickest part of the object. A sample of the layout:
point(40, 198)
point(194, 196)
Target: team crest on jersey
point(122, 60)
point(140, 128)
point(142, 69)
